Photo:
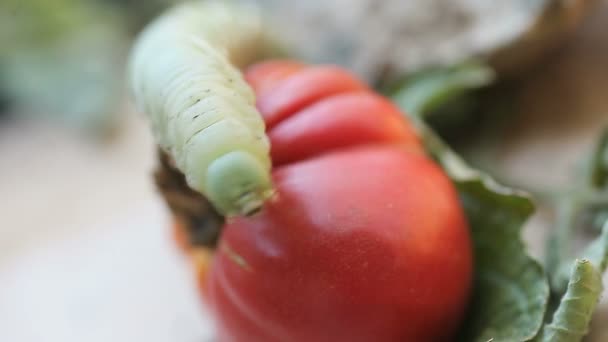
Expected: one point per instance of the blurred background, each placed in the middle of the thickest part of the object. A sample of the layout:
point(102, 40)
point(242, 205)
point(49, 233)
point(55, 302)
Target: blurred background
point(85, 249)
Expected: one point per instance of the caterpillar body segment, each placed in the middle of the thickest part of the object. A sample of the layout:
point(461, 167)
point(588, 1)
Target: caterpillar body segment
point(185, 76)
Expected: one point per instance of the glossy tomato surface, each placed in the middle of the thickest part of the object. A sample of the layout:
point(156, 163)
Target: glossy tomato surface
point(365, 239)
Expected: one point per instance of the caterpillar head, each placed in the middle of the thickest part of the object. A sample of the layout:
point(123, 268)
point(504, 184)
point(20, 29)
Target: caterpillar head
point(238, 184)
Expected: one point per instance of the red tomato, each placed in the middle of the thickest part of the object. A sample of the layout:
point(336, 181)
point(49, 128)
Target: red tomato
point(343, 120)
point(265, 75)
point(302, 89)
point(365, 240)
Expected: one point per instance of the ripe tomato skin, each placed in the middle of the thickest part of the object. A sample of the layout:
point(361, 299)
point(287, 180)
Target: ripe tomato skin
point(366, 240)
point(303, 88)
point(362, 244)
point(338, 121)
point(264, 76)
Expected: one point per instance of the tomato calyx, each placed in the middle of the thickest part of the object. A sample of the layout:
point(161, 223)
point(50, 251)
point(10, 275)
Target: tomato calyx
point(197, 223)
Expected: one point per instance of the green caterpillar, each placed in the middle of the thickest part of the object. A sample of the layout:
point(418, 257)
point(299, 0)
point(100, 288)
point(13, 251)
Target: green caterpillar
point(185, 77)
point(570, 322)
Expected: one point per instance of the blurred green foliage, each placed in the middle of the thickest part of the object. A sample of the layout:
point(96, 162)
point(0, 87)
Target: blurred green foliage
point(64, 60)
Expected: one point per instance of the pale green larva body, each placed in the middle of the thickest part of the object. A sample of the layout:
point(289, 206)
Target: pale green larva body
point(185, 77)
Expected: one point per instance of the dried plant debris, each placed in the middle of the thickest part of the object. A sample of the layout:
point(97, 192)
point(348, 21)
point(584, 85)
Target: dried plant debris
point(201, 221)
point(393, 37)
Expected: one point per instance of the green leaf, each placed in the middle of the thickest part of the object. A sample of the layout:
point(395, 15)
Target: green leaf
point(596, 252)
point(599, 163)
point(587, 199)
point(428, 90)
point(571, 320)
point(511, 298)
point(511, 291)
point(558, 257)
point(63, 61)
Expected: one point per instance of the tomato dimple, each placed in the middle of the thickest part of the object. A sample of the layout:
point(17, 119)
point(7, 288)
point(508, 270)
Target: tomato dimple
point(339, 121)
point(304, 88)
